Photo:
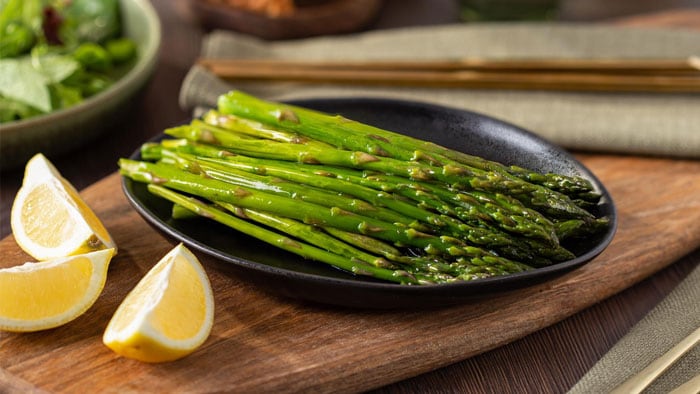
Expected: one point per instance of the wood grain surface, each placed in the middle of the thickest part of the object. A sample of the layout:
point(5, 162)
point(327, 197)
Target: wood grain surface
point(263, 343)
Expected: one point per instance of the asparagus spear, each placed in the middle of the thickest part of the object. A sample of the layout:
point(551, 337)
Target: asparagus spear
point(369, 203)
point(458, 203)
point(501, 210)
point(479, 235)
point(538, 252)
point(506, 208)
point(506, 212)
point(461, 268)
point(242, 126)
point(536, 196)
point(425, 270)
point(369, 196)
point(575, 228)
point(310, 234)
point(283, 242)
point(349, 134)
point(215, 190)
point(292, 190)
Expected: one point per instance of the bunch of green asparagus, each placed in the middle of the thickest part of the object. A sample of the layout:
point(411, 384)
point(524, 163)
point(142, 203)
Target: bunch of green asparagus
point(362, 199)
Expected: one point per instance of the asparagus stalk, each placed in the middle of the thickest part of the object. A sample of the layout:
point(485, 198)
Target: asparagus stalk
point(466, 178)
point(368, 202)
point(283, 242)
point(458, 203)
point(214, 190)
point(292, 190)
point(349, 134)
point(461, 268)
point(506, 212)
point(425, 270)
point(531, 251)
point(356, 196)
point(489, 210)
point(242, 126)
point(506, 208)
point(575, 228)
point(310, 234)
point(538, 252)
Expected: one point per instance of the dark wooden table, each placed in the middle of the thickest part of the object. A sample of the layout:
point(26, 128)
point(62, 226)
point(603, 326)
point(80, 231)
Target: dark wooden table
point(550, 360)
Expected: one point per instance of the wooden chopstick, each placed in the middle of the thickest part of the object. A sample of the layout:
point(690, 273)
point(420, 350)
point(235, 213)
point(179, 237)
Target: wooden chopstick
point(641, 380)
point(603, 65)
point(552, 74)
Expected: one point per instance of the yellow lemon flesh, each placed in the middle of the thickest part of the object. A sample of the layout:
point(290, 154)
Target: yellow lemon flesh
point(49, 219)
point(169, 313)
point(43, 295)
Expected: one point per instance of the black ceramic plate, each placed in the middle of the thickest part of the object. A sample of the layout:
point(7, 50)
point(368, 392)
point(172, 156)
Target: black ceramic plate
point(289, 275)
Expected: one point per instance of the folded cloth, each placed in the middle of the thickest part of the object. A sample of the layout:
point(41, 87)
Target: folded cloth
point(636, 123)
point(667, 324)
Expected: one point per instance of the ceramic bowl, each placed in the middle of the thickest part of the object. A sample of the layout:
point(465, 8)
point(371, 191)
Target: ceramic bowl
point(64, 130)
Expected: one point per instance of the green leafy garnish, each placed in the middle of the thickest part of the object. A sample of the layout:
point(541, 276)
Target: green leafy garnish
point(20, 81)
point(56, 53)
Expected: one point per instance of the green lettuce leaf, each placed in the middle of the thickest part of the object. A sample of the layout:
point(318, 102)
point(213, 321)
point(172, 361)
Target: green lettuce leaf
point(20, 81)
point(55, 67)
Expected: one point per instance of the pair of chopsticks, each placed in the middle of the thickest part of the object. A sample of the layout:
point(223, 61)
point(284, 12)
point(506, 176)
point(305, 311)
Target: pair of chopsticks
point(638, 382)
point(621, 75)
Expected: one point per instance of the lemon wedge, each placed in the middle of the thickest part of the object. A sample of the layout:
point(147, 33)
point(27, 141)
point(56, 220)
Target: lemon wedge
point(43, 295)
point(49, 219)
point(167, 315)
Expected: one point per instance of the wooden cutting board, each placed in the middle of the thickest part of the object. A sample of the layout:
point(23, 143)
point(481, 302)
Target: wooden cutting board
point(263, 343)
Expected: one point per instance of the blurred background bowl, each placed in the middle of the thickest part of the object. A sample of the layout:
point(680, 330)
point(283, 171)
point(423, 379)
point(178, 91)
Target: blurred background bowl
point(59, 132)
point(307, 18)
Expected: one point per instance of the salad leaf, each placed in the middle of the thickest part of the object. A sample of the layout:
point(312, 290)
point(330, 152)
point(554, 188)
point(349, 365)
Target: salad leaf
point(13, 109)
point(28, 12)
point(90, 21)
point(55, 67)
point(19, 80)
point(64, 96)
point(15, 39)
point(27, 78)
point(20, 25)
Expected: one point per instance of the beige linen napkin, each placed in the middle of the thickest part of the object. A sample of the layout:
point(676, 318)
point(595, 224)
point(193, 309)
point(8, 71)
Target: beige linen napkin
point(659, 124)
point(667, 324)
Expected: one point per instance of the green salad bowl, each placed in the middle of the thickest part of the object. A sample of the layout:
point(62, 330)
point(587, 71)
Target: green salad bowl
point(64, 130)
